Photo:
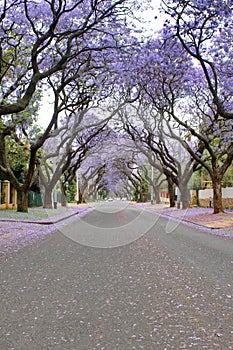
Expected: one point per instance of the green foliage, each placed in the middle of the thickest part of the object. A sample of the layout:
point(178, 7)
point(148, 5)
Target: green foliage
point(228, 177)
point(71, 192)
point(202, 180)
point(104, 194)
point(18, 156)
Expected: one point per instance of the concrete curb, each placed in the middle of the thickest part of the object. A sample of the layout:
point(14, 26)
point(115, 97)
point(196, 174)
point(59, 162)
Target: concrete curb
point(41, 222)
point(182, 220)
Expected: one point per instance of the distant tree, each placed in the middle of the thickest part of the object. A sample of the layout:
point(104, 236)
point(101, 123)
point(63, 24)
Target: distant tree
point(63, 153)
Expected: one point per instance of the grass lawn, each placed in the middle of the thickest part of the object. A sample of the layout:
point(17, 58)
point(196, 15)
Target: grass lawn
point(33, 213)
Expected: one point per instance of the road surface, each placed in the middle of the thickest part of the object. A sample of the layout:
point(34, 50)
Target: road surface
point(137, 281)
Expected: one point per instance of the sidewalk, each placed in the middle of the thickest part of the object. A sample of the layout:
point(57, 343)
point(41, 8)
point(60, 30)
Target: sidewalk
point(17, 230)
point(202, 218)
point(55, 217)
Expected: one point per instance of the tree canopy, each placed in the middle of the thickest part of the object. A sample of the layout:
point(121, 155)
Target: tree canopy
point(145, 98)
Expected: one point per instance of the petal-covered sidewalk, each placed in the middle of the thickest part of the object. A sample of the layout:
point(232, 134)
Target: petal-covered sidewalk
point(201, 217)
point(16, 232)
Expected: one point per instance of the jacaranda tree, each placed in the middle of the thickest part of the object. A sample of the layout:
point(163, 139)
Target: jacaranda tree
point(41, 40)
point(204, 29)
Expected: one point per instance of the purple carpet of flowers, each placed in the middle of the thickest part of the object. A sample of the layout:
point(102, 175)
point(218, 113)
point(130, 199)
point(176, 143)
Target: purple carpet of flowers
point(16, 234)
point(185, 216)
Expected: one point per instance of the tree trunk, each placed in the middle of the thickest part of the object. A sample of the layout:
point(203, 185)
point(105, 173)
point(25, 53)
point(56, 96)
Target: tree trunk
point(171, 192)
point(157, 195)
point(184, 196)
point(63, 200)
point(63, 197)
point(48, 199)
point(217, 196)
point(80, 197)
point(22, 201)
point(140, 194)
point(137, 195)
point(144, 194)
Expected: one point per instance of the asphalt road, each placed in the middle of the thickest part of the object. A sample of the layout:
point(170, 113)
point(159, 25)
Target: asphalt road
point(135, 281)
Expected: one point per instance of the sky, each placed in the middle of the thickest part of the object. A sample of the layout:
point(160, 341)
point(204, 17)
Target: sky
point(46, 110)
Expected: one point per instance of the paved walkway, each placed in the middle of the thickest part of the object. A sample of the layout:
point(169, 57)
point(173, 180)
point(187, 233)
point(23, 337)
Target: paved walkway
point(15, 232)
point(202, 217)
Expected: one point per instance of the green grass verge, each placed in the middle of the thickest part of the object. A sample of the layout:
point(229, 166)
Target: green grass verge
point(33, 213)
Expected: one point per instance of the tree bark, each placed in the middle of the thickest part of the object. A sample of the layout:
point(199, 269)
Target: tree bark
point(48, 199)
point(80, 197)
point(184, 196)
point(63, 196)
point(63, 199)
point(22, 201)
point(157, 194)
point(171, 192)
point(144, 194)
point(217, 196)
